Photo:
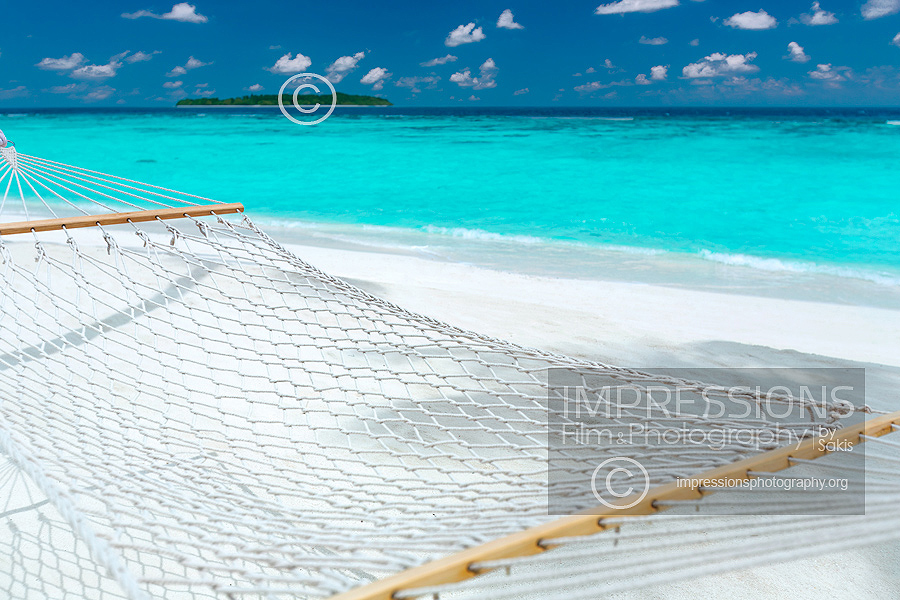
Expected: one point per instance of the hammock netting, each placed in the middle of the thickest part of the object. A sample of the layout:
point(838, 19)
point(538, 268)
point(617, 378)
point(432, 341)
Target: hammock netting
point(190, 411)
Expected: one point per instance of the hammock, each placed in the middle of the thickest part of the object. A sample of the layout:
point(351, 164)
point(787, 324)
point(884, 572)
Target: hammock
point(189, 410)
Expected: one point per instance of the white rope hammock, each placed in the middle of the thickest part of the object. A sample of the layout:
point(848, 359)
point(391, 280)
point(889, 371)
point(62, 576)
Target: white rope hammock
point(188, 410)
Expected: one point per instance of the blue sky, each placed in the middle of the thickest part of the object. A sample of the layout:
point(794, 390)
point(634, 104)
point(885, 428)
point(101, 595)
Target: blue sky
point(509, 53)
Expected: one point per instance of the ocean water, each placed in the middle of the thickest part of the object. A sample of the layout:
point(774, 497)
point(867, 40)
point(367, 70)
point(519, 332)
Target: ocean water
point(772, 194)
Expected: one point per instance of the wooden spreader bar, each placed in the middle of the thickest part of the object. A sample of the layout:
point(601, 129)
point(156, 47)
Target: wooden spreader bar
point(457, 567)
point(140, 216)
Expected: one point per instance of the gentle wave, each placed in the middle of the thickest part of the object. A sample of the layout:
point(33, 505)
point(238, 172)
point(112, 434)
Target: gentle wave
point(736, 260)
point(774, 265)
point(789, 266)
point(481, 234)
point(490, 236)
point(893, 122)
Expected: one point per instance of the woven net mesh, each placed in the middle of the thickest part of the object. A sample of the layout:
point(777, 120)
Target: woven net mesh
point(191, 411)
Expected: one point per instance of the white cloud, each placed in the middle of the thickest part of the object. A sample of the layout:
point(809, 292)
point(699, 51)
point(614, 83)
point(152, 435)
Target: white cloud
point(141, 13)
point(286, 64)
point(818, 16)
point(67, 89)
point(255, 88)
point(95, 72)
point(591, 70)
point(506, 21)
point(752, 20)
point(413, 83)
point(695, 42)
point(101, 93)
point(657, 41)
point(473, 98)
point(464, 34)
point(520, 92)
point(376, 78)
point(718, 64)
point(171, 85)
point(184, 12)
point(342, 67)
point(83, 91)
point(193, 63)
point(590, 87)
point(487, 71)
point(827, 72)
point(742, 86)
point(16, 92)
point(438, 61)
point(629, 6)
point(896, 40)
point(66, 63)
point(99, 72)
point(608, 64)
point(874, 9)
point(783, 87)
point(657, 73)
point(796, 53)
point(141, 56)
point(596, 85)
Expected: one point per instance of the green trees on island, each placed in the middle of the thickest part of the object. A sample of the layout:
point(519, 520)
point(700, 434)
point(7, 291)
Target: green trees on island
point(287, 99)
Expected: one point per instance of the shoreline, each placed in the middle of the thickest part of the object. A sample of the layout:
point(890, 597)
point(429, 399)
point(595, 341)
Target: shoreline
point(528, 256)
point(704, 271)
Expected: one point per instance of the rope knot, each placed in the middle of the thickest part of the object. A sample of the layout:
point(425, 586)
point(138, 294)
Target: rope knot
point(41, 253)
point(175, 234)
point(110, 243)
point(143, 235)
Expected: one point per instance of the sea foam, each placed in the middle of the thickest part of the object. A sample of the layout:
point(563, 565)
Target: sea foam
point(791, 266)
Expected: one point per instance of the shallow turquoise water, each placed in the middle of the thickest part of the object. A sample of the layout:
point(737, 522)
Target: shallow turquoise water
point(817, 192)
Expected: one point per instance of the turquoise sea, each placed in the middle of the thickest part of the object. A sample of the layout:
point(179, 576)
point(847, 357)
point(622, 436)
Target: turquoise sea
point(774, 194)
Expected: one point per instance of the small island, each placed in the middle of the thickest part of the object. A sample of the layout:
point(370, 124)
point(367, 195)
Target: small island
point(287, 99)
